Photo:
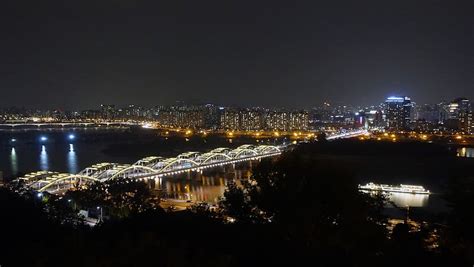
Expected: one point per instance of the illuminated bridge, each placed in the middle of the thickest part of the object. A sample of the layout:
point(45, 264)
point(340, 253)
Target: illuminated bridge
point(149, 167)
point(348, 134)
point(62, 124)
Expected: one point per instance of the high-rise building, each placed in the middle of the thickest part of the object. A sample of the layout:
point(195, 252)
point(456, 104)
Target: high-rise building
point(181, 116)
point(256, 119)
point(286, 121)
point(108, 112)
point(398, 113)
point(428, 113)
point(459, 115)
point(374, 118)
point(230, 119)
point(251, 120)
point(298, 120)
point(212, 115)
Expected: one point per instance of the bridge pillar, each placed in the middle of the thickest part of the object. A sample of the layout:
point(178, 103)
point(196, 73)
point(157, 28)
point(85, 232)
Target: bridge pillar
point(151, 183)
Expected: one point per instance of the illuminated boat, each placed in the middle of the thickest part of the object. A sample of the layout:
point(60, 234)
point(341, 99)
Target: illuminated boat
point(403, 188)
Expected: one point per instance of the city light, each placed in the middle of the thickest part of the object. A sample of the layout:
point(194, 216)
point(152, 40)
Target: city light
point(72, 137)
point(39, 195)
point(395, 98)
point(43, 138)
point(13, 140)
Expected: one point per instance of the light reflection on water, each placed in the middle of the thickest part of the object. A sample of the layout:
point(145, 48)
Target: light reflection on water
point(467, 152)
point(199, 188)
point(14, 161)
point(404, 200)
point(409, 200)
point(72, 164)
point(44, 161)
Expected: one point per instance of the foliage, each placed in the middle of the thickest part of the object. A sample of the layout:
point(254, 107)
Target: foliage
point(459, 236)
point(313, 204)
point(118, 197)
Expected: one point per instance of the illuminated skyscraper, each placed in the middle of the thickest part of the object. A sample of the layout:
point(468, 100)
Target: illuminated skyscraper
point(398, 113)
point(230, 119)
point(459, 115)
point(251, 120)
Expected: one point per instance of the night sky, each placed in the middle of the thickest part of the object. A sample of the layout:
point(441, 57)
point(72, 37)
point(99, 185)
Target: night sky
point(79, 54)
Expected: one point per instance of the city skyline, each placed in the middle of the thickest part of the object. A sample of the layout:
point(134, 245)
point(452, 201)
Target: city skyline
point(79, 55)
point(179, 103)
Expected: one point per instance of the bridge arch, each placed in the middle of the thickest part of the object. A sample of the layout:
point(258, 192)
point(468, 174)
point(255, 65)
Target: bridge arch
point(177, 160)
point(236, 156)
point(270, 149)
point(133, 167)
point(75, 177)
point(213, 155)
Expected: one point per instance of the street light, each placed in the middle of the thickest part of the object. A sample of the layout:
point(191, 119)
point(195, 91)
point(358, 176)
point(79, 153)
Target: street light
point(100, 208)
point(72, 137)
point(43, 138)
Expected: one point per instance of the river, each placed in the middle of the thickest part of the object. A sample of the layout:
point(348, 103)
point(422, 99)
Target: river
point(71, 150)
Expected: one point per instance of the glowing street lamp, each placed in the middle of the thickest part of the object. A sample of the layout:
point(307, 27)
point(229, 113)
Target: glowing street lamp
point(71, 137)
point(43, 138)
point(100, 208)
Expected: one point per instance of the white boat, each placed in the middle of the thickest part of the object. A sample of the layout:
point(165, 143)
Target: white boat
point(402, 188)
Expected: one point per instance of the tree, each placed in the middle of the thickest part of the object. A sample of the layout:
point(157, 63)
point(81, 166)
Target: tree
point(313, 204)
point(458, 238)
point(237, 204)
point(119, 197)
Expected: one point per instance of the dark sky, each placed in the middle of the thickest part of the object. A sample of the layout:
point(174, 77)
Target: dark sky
point(78, 54)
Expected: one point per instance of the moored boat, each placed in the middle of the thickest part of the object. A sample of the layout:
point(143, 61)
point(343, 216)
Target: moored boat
point(402, 188)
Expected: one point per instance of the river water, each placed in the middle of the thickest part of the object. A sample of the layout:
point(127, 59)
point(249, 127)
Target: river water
point(26, 151)
point(467, 152)
point(72, 150)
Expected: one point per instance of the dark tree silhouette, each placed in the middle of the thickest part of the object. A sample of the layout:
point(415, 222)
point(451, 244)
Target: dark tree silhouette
point(119, 197)
point(458, 238)
point(314, 205)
